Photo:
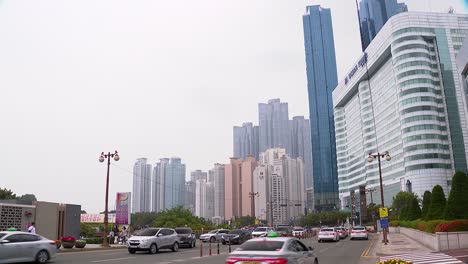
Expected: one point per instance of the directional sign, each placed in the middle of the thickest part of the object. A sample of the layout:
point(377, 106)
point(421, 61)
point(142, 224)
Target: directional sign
point(383, 212)
point(384, 222)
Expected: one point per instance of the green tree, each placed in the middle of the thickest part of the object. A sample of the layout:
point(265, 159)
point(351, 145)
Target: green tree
point(26, 199)
point(243, 221)
point(406, 206)
point(438, 203)
point(426, 203)
point(6, 194)
point(139, 220)
point(458, 198)
point(414, 211)
point(179, 216)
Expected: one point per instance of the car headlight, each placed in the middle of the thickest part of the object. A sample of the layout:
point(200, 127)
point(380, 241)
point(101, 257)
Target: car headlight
point(236, 236)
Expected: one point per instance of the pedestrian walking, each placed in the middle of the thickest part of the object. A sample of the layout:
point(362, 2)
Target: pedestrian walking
point(32, 228)
point(123, 235)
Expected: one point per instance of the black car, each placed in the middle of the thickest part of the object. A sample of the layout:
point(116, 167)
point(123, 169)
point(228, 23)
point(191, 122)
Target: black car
point(186, 236)
point(236, 236)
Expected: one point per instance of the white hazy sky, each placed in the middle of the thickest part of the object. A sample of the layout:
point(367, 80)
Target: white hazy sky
point(147, 78)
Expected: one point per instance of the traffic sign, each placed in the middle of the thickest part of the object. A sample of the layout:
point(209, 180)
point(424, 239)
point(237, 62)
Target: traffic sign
point(383, 212)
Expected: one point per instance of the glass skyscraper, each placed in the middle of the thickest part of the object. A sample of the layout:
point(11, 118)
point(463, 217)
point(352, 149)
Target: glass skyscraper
point(373, 14)
point(321, 80)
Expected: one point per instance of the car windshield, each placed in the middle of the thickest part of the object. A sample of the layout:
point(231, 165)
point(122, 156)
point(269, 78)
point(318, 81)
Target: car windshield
point(326, 230)
point(213, 231)
point(147, 232)
point(298, 229)
point(260, 229)
point(261, 246)
point(236, 231)
point(2, 235)
point(183, 231)
point(358, 228)
point(282, 229)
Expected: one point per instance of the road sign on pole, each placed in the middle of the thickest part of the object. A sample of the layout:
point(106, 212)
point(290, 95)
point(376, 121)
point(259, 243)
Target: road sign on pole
point(383, 212)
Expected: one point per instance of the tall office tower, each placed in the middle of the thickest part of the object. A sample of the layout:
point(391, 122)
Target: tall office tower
point(373, 14)
point(293, 170)
point(301, 147)
point(200, 197)
point(273, 125)
point(190, 196)
point(321, 80)
point(209, 198)
point(174, 187)
point(404, 96)
point(141, 186)
point(246, 140)
point(219, 199)
point(159, 173)
point(198, 175)
point(238, 185)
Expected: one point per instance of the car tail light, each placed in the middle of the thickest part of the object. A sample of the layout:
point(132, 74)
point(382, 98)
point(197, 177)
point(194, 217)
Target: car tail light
point(333, 233)
point(52, 242)
point(233, 260)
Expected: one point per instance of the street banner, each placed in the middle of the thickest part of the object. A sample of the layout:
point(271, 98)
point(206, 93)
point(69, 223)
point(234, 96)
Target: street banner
point(122, 208)
point(383, 212)
point(96, 218)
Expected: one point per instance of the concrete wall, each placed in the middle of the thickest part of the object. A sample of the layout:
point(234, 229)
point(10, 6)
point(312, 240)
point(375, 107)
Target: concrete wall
point(47, 219)
point(439, 241)
point(72, 220)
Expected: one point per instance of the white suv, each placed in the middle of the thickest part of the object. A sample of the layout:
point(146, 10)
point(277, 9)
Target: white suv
point(152, 240)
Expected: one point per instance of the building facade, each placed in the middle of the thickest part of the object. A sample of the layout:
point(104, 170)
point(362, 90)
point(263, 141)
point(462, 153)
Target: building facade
point(174, 184)
point(159, 174)
point(219, 198)
point(294, 175)
point(373, 14)
point(273, 125)
point(404, 96)
point(141, 186)
point(246, 141)
point(321, 80)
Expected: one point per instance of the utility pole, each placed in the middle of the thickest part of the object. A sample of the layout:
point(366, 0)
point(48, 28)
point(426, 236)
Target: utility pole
point(252, 202)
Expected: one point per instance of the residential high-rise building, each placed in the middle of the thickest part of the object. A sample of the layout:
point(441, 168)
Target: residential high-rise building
point(190, 196)
point(321, 80)
point(198, 175)
point(301, 147)
point(219, 198)
point(246, 191)
point(404, 96)
point(293, 170)
point(174, 184)
point(159, 174)
point(373, 14)
point(200, 197)
point(246, 141)
point(273, 125)
point(260, 186)
point(141, 186)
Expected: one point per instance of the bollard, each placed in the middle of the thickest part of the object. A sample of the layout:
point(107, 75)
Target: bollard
point(209, 249)
point(201, 249)
point(218, 247)
point(229, 245)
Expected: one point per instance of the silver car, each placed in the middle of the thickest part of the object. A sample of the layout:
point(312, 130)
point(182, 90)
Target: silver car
point(16, 246)
point(153, 239)
point(272, 250)
point(213, 235)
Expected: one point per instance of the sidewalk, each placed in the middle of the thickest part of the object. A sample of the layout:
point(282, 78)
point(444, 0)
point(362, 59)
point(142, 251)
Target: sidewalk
point(397, 244)
point(90, 247)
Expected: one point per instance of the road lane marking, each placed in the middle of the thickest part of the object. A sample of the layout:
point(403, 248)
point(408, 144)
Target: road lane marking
point(365, 253)
point(105, 260)
point(109, 254)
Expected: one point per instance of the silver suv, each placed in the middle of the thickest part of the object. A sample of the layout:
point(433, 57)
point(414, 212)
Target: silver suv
point(213, 235)
point(152, 240)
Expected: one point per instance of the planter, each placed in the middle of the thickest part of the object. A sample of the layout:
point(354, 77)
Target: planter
point(68, 244)
point(80, 244)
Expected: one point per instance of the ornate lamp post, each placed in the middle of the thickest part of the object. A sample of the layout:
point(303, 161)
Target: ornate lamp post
point(102, 158)
point(387, 157)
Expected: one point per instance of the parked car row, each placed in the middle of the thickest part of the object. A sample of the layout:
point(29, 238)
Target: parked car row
point(337, 233)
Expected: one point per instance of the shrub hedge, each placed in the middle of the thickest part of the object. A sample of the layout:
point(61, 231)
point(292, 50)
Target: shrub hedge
point(433, 226)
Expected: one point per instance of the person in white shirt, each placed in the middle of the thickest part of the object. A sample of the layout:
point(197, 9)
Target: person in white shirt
point(32, 228)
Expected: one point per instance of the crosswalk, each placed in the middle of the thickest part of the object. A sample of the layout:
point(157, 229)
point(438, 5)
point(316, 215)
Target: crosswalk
point(426, 258)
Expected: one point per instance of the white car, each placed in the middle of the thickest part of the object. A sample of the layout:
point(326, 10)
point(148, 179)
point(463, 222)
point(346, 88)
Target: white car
point(262, 231)
point(298, 231)
point(359, 232)
point(328, 233)
point(213, 235)
point(152, 240)
point(16, 246)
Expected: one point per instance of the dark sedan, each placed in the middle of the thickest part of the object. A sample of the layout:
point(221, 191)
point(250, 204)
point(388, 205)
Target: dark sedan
point(236, 236)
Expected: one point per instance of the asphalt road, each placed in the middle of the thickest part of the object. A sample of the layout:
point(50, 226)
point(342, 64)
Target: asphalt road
point(344, 251)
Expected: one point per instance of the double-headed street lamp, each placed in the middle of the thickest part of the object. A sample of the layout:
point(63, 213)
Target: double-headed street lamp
point(387, 157)
point(102, 158)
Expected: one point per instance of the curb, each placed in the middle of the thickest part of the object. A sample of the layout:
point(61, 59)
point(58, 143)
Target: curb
point(73, 250)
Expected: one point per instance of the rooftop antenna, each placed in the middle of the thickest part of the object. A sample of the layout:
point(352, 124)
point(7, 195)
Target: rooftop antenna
point(451, 10)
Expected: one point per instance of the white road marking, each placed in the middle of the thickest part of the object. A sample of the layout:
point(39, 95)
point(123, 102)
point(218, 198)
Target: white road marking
point(105, 260)
point(425, 258)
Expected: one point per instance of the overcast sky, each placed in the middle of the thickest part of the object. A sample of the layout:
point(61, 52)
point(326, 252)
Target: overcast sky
point(147, 78)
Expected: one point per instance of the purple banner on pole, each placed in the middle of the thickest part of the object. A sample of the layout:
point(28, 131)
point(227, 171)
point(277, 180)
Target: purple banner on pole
point(122, 209)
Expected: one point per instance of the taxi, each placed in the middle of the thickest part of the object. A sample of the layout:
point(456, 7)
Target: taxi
point(272, 249)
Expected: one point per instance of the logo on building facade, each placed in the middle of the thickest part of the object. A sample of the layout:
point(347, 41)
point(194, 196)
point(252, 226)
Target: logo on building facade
point(361, 63)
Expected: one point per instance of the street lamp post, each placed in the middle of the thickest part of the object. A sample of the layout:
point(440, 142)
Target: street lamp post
point(387, 158)
point(102, 158)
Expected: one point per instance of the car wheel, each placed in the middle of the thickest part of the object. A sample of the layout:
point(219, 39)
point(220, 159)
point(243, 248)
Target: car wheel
point(131, 250)
point(351, 238)
point(194, 243)
point(153, 249)
point(212, 239)
point(316, 261)
point(224, 243)
point(42, 256)
point(175, 247)
point(320, 241)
